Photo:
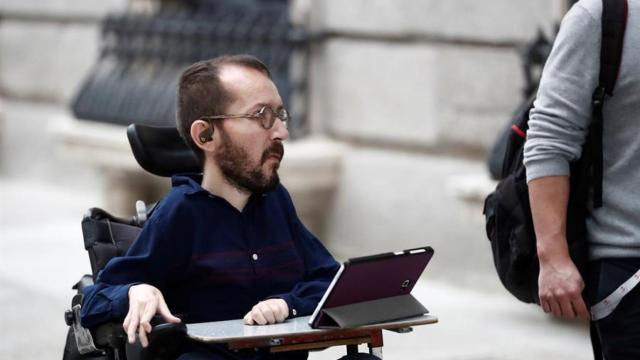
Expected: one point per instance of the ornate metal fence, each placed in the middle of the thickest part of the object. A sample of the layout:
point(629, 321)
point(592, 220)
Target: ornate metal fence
point(142, 55)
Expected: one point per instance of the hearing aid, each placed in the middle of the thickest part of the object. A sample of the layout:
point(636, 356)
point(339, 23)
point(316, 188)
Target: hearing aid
point(206, 135)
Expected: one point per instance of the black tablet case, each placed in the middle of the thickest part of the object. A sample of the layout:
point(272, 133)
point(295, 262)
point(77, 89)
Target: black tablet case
point(372, 306)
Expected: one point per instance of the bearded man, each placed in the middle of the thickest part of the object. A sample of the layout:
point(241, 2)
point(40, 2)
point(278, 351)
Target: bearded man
point(226, 244)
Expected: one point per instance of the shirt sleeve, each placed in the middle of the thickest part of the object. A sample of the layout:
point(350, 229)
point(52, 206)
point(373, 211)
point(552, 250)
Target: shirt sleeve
point(151, 259)
point(320, 268)
point(561, 113)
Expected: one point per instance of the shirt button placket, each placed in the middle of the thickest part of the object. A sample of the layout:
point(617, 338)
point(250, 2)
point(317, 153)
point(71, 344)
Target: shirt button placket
point(248, 232)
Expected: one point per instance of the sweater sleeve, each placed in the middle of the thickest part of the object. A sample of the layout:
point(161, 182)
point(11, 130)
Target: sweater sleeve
point(561, 113)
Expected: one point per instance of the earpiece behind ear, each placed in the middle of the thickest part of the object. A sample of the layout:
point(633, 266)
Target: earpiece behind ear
point(206, 135)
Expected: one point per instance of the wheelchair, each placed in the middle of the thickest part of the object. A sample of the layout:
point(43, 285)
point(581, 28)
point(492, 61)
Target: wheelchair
point(160, 151)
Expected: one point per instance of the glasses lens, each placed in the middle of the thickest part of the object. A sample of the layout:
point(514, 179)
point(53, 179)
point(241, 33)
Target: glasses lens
point(268, 117)
point(264, 116)
point(283, 115)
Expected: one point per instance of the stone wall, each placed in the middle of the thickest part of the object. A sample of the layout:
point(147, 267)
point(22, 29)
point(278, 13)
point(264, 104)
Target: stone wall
point(425, 72)
point(47, 48)
point(419, 89)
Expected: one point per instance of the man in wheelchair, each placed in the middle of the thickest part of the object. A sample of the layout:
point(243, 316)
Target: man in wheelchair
point(226, 244)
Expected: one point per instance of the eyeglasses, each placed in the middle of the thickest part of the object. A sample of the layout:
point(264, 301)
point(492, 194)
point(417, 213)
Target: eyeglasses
point(266, 115)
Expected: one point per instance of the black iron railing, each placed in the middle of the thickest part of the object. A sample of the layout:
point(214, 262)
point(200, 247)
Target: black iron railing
point(141, 57)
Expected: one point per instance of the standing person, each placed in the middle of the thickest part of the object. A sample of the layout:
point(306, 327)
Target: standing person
point(558, 128)
point(226, 244)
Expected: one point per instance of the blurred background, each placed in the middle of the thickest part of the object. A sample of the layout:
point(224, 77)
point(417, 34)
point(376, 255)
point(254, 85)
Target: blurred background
point(396, 106)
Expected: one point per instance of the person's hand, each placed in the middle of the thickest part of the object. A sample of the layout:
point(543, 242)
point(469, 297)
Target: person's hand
point(560, 289)
point(144, 302)
point(270, 311)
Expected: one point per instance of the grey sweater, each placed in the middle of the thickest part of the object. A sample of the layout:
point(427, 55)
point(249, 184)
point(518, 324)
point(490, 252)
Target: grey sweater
point(562, 114)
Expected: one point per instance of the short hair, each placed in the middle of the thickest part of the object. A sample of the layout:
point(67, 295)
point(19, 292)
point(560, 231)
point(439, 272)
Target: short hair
point(201, 93)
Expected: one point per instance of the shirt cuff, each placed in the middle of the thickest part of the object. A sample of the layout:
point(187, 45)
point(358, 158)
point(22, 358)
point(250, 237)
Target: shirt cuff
point(293, 310)
point(120, 303)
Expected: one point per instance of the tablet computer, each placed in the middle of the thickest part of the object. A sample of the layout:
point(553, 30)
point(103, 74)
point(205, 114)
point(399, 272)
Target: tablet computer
point(373, 289)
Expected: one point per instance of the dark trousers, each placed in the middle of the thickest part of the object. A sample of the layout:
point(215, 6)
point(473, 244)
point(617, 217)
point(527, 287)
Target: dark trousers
point(619, 332)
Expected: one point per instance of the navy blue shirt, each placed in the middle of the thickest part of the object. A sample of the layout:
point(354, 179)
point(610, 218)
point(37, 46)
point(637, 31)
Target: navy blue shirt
point(212, 262)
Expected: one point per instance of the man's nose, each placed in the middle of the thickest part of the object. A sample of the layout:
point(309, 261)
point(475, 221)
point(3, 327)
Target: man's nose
point(280, 130)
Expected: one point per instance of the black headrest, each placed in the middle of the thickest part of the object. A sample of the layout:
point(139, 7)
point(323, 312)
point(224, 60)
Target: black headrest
point(161, 151)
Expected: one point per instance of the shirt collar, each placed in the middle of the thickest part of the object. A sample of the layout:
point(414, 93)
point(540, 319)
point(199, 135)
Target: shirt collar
point(190, 181)
point(193, 183)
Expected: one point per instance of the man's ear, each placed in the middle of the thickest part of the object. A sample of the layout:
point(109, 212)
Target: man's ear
point(202, 133)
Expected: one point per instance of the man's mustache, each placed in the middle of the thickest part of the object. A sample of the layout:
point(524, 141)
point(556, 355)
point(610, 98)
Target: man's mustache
point(275, 149)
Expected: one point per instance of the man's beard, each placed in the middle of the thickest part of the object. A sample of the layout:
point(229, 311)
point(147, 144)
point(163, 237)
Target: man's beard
point(236, 166)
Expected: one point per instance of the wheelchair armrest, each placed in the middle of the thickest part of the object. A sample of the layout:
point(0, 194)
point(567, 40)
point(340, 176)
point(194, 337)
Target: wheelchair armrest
point(165, 341)
point(109, 335)
point(167, 329)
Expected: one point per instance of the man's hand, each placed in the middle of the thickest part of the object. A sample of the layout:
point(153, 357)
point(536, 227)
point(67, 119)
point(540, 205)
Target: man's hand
point(560, 288)
point(144, 302)
point(560, 284)
point(270, 311)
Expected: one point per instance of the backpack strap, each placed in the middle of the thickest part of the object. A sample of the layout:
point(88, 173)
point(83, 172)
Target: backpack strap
point(614, 23)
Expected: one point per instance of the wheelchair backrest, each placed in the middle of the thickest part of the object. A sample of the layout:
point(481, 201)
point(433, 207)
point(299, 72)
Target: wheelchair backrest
point(160, 151)
point(106, 236)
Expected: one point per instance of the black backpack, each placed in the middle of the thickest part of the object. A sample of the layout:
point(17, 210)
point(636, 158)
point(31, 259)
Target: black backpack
point(533, 55)
point(509, 224)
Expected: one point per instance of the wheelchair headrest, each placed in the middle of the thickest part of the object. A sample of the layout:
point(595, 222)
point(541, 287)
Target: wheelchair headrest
point(161, 151)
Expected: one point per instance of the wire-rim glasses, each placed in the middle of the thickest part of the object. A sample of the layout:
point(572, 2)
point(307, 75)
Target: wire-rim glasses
point(266, 116)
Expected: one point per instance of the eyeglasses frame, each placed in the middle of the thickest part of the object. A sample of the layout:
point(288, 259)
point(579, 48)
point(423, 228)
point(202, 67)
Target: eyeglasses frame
point(257, 115)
